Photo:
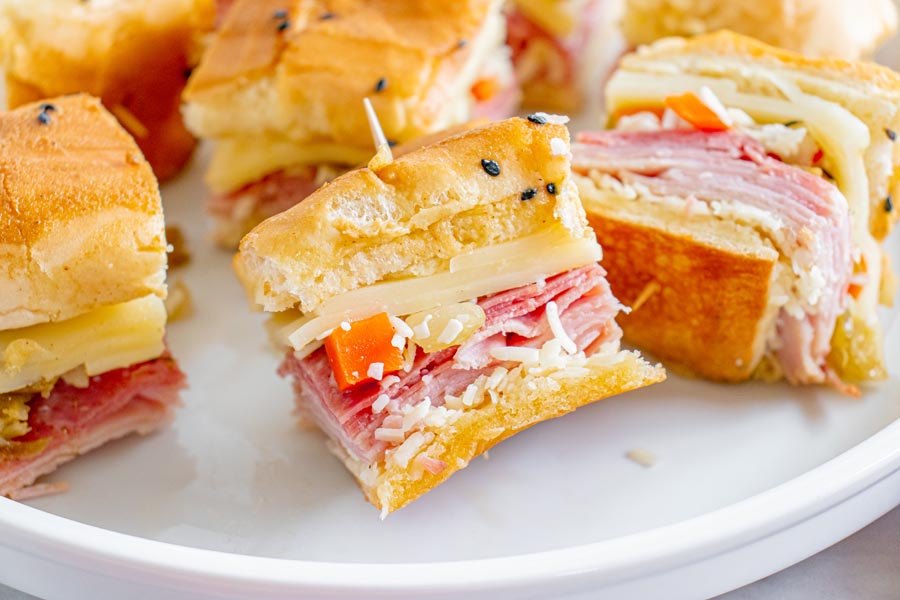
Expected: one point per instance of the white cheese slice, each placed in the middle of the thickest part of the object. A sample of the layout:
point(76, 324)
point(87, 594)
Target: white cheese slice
point(485, 271)
point(111, 337)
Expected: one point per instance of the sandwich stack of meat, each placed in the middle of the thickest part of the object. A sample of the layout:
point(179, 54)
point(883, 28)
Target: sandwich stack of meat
point(83, 358)
point(280, 89)
point(755, 186)
point(432, 305)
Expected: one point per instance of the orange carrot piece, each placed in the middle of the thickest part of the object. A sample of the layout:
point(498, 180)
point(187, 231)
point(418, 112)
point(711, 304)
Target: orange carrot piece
point(352, 351)
point(691, 108)
point(485, 89)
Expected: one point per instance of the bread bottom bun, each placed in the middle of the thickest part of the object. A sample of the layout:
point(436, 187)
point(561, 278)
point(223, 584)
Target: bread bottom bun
point(523, 400)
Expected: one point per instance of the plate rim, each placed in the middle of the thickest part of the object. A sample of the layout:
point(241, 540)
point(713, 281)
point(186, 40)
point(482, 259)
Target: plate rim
point(616, 560)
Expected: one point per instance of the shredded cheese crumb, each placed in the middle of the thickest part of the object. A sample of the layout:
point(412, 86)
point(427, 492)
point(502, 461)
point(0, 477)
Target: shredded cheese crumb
point(451, 331)
point(376, 371)
point(393, 436)
point(421, 331)
point(401, 327)
point(345, 325)
point(557, 328)
point(380, 403)
point(558, 147)
point(641, 457)
point(516, 354)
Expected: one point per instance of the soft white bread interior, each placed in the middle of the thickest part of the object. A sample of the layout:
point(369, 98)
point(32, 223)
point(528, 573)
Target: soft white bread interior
point(133, 54)
point(844, 28)
point(81, 221)
point(521, 399)
point(412, 216)
point(284, 81)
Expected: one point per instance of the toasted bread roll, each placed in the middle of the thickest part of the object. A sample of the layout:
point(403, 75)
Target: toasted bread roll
point(135, 55)
point(436, 305)
point(845, 28)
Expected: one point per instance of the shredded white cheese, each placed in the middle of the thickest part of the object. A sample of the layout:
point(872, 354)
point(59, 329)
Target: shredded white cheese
point(376, 371)
point(421, 331)
point(392, 436)
point(517, 354)
point(345, 325)
point(558, 147)
point(380, 403)
point(557, 328)
point(452, 330)
point(401, 327)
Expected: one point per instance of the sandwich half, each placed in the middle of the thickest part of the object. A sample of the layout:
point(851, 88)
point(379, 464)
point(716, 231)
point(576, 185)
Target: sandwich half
point(135, 55)
point(82, 242)
point(563, 49)
point(434, 305)
point(755, 186)
point(843, 28)
point(279, 91)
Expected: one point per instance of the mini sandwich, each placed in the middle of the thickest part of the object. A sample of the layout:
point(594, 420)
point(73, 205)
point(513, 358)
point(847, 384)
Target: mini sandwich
point(135, 55)
point(754, 186)
point(434, 305)
point(280, 88)
point(563, 49)
point(83, 248)
point(842, 28)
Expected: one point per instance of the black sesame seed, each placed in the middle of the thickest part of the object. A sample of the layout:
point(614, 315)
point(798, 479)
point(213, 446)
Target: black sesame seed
point(791, 123)
point(280, 14)
point(529, 194)
point(889, 204)
point(381, 84)
point(283, 25)
point(47, 107)
point(462, 43)
point(490, 167)
point(892, 135)
point(551, 189)
point(187, 73)
point(537, 118)
point(43, 118)
point(327, 16)
point(391, 143)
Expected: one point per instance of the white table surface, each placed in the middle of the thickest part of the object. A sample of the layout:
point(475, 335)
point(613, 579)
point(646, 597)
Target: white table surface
point(864, 566)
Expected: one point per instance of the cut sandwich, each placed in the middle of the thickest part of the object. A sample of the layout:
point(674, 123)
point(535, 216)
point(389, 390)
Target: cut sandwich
point(755, 186)
point(848, 29)
point(563, 49)
point(280, 88)
point(82, 240)
point(135, 55)
point(432, 306)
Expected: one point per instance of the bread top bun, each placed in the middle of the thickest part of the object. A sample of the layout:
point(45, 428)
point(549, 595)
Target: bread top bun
point(411, 217)
point(64, 46)
point(845, 28)
point(81, 222)
point(868, 91)
point(301, 69)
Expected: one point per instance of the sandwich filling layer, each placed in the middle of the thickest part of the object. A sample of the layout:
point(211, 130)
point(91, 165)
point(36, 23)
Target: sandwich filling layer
point(729, 175)
point(107, 338)
point(558, 325)
point(39, 432)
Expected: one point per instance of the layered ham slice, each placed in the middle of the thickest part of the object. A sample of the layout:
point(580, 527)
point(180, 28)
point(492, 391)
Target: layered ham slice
point(73, 420)
point(237, 212)
point(514, 317)
point(806, 218)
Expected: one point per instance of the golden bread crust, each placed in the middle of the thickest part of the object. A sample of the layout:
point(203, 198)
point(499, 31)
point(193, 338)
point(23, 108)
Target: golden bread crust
point(518, 407)
point(811, 27)
point(411, 216)
point(133, 54)
point(307, 79)
point(81, 222)
point(696, 305)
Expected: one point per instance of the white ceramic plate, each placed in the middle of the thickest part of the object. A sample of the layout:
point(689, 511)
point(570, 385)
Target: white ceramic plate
point(234, 501)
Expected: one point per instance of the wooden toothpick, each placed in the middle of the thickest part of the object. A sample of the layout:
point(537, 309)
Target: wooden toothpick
point(383, 154)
